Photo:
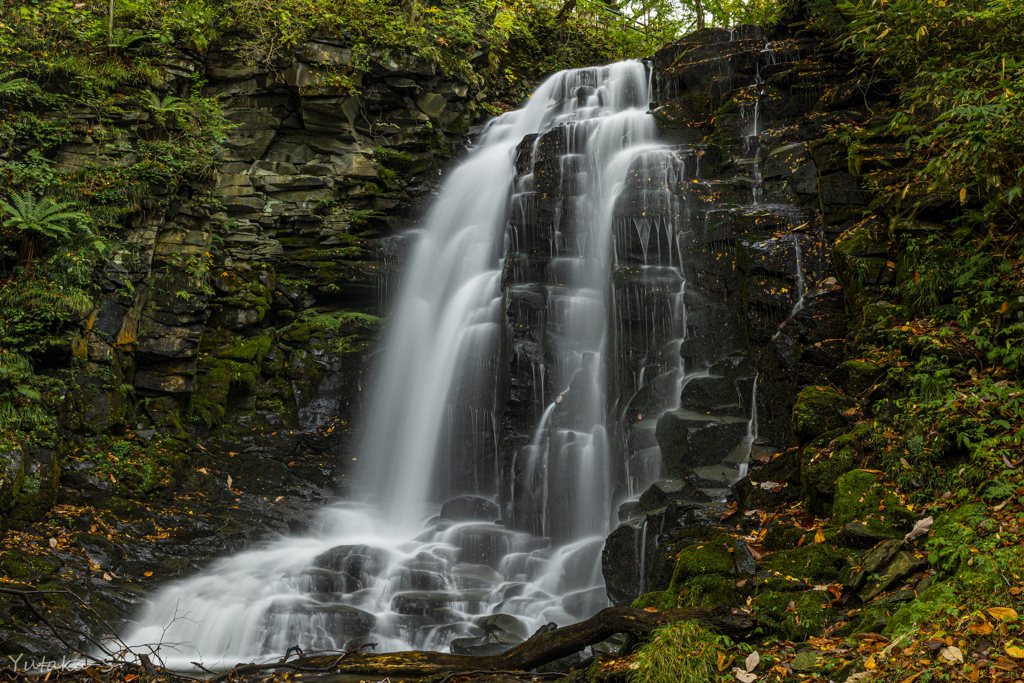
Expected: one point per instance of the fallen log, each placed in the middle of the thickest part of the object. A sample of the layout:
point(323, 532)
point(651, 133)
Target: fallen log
point(543, 647)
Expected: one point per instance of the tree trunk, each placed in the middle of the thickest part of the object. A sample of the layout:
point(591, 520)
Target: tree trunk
point(26, 253)
point(542, 648)
point(567, 9)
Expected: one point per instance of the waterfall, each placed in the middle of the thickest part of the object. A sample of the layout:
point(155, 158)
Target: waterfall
point(422, 558)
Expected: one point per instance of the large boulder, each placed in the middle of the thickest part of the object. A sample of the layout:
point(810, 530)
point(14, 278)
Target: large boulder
point(819, 410)
point(466, 508)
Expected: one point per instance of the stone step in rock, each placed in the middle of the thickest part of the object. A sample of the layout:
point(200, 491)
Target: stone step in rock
point(688, 439)
point(671, 491)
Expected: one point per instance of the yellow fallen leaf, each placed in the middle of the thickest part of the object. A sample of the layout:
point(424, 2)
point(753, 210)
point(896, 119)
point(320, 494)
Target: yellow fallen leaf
point(1002, 613)
point(819, 537)
point(1015, 652)
point(870, 664)
point(982, 629)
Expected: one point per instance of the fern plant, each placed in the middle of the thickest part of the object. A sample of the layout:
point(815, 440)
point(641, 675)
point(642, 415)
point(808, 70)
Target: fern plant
point(163, 108)
point(43, 219)
point(16, 87)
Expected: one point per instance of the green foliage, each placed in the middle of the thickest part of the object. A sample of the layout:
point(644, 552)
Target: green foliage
point(46, 218)
point(960, 80)
point(679, 652)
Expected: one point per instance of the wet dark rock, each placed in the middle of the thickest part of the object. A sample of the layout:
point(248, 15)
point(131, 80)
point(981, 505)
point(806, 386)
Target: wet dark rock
point(669, 491)
point(504, 622)
point(466, 508)
point(690, 440)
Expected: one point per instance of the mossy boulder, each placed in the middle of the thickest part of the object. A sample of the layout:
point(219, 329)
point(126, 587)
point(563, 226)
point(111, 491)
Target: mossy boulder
point(795, 616)
point(819, 562)
point(822, 462)
point(856, 377)
point(883, 313)
point(708, 589)
point(872, 619)
point(862, 497)
point(659, 600)
point(721, 554)
point(819, 410)
point(862, 262)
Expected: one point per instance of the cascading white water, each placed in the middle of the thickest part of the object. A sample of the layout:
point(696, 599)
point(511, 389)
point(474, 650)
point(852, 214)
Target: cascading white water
point(386, 569)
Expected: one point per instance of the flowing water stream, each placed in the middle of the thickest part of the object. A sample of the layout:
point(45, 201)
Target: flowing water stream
point(399, 567)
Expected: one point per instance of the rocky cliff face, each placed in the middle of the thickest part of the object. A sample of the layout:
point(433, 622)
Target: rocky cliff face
point(768, 198)
point(220, 370)
point(788, 257)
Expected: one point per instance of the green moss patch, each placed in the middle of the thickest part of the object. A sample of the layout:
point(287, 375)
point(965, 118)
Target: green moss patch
point(860, 496)
point(819, 562)
point(818, 410)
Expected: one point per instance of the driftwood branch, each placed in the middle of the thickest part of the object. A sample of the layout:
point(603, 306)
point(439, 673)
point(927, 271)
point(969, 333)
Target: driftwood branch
point(545, 647)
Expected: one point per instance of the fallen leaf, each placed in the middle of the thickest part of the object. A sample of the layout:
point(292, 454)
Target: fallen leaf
point(147, 573)
point(53, 542)
point(650, 609)
point(963, 194)
point(982, 629)
point(1006, 502)
point(1004, 308)
point(951, 653)
point(819, 537)
point(721, 660)
point(203, 470)
point(870, 663)
point(107, 577)
point(920, 529)
point(229, 481)
point(753, 659)
point(1015, 652)
point(905, 463)
point(1002, 613)
point(278, 499)
point(744, 677)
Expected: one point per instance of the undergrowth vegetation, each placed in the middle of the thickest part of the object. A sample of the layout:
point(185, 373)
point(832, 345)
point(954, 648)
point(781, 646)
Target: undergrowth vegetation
point(959, 79)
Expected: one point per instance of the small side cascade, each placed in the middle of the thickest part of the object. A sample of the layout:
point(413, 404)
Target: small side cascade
point(801, 287)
